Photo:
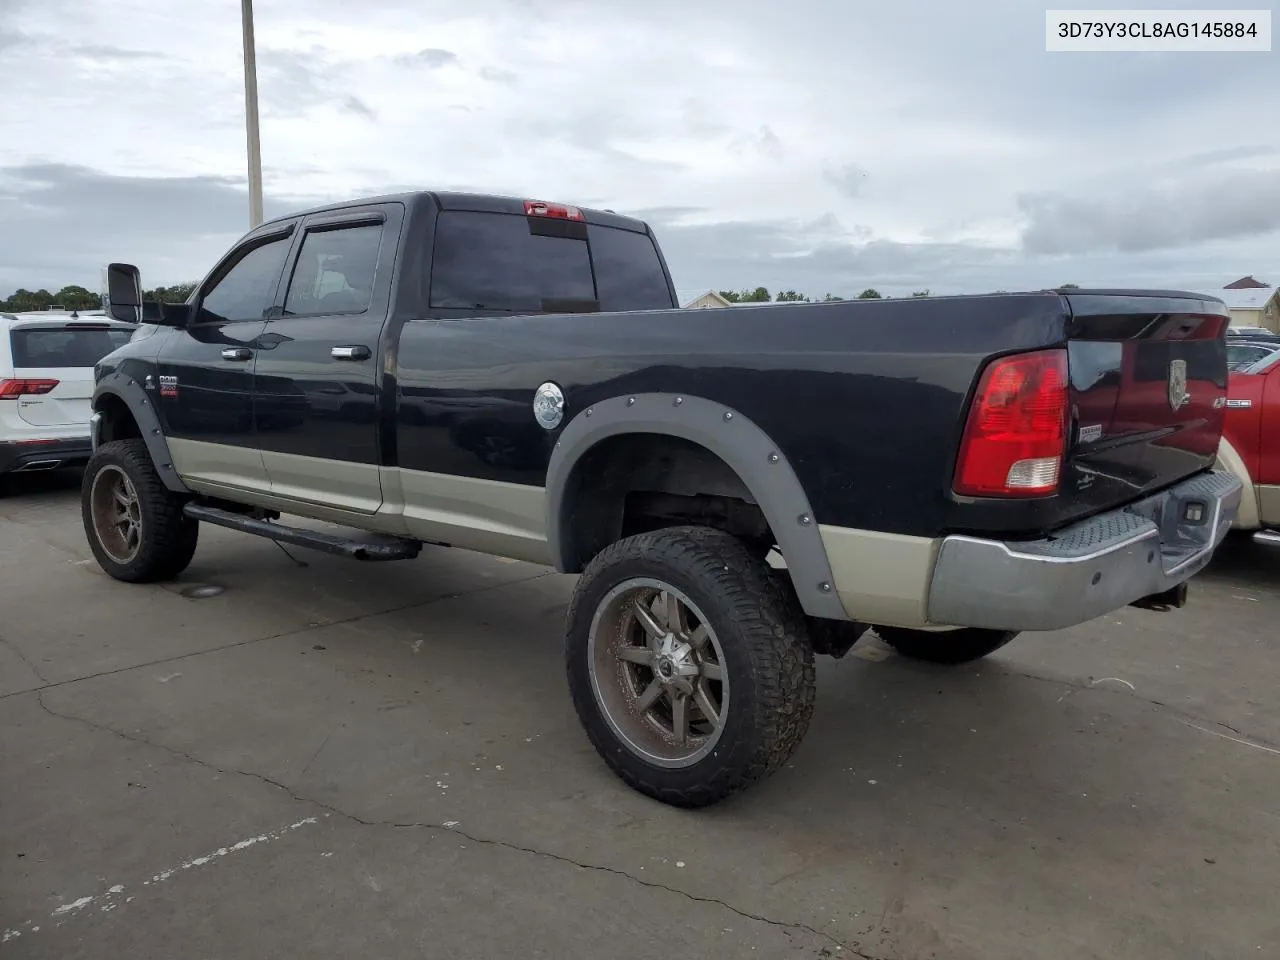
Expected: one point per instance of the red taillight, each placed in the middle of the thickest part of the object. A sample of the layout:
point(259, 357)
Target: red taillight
point(12, 389)
point(556, 211)
point(1015, 438)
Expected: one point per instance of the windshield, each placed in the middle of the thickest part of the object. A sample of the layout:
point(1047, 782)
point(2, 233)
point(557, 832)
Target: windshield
point(1243, 355)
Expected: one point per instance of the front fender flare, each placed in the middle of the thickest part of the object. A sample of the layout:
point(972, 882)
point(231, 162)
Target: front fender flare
point(736, 440)
point(130, 392)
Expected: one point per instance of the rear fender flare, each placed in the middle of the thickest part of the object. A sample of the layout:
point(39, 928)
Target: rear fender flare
point(134, 397)
point(735, 439)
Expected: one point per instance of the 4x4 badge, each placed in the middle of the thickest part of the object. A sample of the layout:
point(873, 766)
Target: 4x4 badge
point(1179, 396)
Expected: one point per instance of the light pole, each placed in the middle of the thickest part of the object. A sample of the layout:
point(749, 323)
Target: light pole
point(251, 114)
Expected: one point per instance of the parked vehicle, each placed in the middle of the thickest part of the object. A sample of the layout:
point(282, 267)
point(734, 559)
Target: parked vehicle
point(1249, 332)
point(515, 377)
point(1244, 352)
point(46, 385)
point(1250, 445)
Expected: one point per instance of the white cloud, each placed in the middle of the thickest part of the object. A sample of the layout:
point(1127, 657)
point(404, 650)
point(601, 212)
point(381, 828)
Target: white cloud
point(812, 144)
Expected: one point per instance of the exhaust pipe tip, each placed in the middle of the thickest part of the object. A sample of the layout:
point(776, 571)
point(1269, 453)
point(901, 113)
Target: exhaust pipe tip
point(1270, 537)
point(35, 466)
point(1171, 599)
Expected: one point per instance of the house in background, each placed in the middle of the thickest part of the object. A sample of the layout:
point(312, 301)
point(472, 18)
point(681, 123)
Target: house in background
point(1251, 303)
point(1252, 306)
point(710, 299)
point(1246, 283)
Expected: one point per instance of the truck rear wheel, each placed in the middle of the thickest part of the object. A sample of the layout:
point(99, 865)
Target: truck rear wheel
point(949, 647)
point(689, 666)
point(135, 525)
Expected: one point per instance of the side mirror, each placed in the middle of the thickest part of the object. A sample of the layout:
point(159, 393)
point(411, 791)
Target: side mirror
point(123, 300)
point(166, 314)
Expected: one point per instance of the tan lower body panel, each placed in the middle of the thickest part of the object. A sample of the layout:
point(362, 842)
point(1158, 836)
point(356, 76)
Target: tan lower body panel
point(356, 487)
point(1229, 459)
point(389, 523)
point(506, 519)
point(218, 463)
point(331, 490)
point(881, 578)
point(268, 479)
point(1269, 504)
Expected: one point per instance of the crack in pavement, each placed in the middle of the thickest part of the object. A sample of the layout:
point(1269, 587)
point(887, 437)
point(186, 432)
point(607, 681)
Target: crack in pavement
point(440, 828)
point(23, 657)
point(179, 657)
point(1080, 685)
point(1077, 684)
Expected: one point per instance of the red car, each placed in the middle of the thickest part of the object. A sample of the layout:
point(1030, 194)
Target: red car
point(1250, 446)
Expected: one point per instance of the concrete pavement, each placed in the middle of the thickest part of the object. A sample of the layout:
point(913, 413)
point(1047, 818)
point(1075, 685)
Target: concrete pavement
point(269, 760)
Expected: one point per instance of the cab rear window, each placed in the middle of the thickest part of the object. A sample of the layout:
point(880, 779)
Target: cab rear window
point(500, 261)
point(45, 347)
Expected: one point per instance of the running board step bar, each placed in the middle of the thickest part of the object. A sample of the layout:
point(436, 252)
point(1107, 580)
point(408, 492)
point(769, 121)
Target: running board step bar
point(1269, 537)
point(359, 545)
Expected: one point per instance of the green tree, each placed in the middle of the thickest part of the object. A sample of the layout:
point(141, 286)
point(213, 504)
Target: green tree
point(791, 296)
point(75, 297)
point(831, 298)
point(758, 295)
point(1070, 286)
point(24, 300)
point(870, 294)
point(921, 293)
point(177, 293)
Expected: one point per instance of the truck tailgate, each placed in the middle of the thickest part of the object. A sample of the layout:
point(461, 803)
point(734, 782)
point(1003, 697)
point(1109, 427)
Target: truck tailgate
point(1148, 379)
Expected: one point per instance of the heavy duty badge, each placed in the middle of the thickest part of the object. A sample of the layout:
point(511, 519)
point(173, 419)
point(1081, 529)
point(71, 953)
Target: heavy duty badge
point(1179, 396)
point(168, 386)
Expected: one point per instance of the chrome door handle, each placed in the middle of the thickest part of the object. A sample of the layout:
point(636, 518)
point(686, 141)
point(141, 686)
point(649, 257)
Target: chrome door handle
point(237, 353)
point(351, 353)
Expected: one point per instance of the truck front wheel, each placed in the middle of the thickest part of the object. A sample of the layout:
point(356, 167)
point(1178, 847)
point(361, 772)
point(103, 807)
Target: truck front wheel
point(948, 647)
point(689, 666)
point(135, 525)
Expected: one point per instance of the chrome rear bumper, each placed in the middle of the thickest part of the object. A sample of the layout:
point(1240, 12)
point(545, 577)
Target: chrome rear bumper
point(1088, 569)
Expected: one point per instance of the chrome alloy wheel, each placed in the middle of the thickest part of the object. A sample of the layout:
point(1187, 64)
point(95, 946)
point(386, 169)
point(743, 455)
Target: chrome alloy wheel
point(117, 514)
point(658, 672)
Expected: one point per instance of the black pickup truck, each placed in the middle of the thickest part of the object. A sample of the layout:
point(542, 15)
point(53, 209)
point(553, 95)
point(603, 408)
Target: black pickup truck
point(740, 489)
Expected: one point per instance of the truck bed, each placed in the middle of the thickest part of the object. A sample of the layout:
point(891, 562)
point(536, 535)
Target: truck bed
point(869, 411)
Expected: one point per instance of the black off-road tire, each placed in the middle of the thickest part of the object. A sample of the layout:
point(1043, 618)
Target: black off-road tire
point(950, 647)
point(167, 541)
point(768, 658)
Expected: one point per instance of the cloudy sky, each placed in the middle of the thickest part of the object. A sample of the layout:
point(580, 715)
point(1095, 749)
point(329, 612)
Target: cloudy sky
point(822, 145)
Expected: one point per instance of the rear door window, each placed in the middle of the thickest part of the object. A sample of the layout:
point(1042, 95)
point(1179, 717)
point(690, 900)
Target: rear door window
point(334, 273)
point(496, 261)
point(42, 348)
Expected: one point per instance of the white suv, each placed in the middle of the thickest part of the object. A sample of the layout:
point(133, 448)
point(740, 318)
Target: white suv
point(46, 385)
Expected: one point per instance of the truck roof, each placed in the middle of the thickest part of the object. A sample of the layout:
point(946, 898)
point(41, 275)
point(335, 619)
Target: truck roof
point(480, 202)
point(1136, 292)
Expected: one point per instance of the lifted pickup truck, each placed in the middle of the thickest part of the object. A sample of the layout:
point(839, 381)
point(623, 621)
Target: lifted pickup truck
point(515, 377)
